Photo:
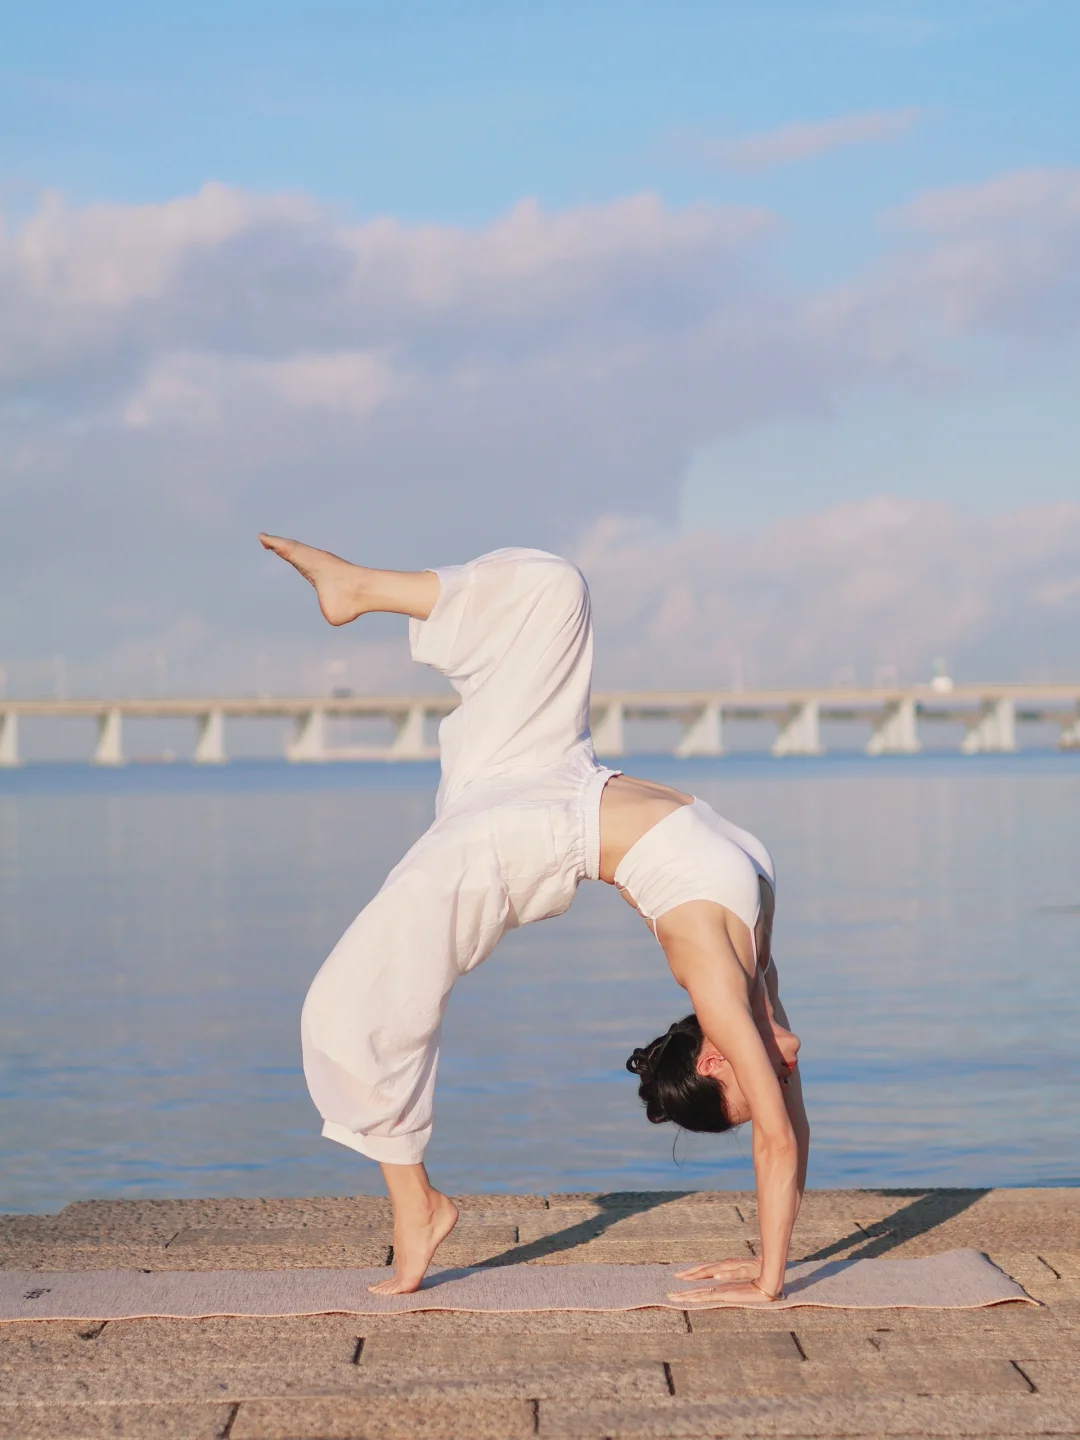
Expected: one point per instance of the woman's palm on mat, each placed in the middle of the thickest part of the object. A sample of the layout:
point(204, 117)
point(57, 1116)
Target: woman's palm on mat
point(726, 1270)
point(736, 1279)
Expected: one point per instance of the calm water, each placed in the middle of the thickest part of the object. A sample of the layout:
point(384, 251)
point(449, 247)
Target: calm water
point(159, 927)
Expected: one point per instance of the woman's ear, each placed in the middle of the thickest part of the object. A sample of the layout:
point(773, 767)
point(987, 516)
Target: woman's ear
point(710, 1062)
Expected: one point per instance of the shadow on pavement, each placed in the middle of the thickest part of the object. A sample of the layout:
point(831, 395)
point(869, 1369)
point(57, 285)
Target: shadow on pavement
point(618, 1205)
point(928, 1210)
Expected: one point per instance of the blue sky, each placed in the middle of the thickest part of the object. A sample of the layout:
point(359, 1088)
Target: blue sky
point(453, 112)
point(858, 277)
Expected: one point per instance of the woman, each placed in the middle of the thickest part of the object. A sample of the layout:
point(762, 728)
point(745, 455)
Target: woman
point(524, 812)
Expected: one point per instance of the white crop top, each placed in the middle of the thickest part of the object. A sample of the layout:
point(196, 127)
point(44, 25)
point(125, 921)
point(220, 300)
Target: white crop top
point(695, 854)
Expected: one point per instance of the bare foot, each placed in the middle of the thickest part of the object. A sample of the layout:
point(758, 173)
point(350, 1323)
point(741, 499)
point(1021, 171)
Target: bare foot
point(339, 585)
point(415, 1241)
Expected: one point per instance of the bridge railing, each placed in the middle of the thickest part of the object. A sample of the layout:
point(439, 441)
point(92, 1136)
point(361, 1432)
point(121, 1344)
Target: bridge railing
point(988, 714)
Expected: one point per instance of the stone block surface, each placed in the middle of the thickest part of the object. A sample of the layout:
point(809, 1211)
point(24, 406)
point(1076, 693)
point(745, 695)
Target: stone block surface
point(56, 1253)
point(912, 1345)
point(174, 1383)
point(930, 1374)
point(223, 1341)
point(658, 1250)
point(805, 1416)
point(1065, 1263)
point(26, 1227)
point(434, 1323)
point(478, 1247)
point(659, 1372)
point(722, 1321)
point(121, 1219)
point(572, 1227)
point(646, 1199)
point(114, 1422)
point(48, 1342)
point(697, 1225)
point(1057, 1376)
point(702, 1379)
point(627, 1383)
point(277, 1248)
point(499, 1204)
point(386, 1418)
point(387, 1350)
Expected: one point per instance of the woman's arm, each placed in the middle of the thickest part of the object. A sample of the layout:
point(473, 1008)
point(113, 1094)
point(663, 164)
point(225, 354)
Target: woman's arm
point(704, 961)
point(792, 1088)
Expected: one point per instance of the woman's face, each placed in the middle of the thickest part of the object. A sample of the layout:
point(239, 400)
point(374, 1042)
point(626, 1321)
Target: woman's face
point(783, 1050)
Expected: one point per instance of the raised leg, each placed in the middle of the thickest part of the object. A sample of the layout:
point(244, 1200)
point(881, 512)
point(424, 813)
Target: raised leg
point(347, 591)
point(423, 1217)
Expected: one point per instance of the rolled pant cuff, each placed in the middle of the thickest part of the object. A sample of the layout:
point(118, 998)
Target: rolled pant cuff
point(386, 1149)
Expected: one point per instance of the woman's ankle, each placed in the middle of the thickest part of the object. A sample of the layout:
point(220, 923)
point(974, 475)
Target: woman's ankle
point(415, 1200)
point(416, 1210)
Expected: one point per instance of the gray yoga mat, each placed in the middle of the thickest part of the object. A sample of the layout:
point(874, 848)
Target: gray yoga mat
point(958, 1279)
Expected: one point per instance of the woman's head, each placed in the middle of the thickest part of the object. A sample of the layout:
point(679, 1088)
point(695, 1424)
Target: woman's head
point(678, 1081)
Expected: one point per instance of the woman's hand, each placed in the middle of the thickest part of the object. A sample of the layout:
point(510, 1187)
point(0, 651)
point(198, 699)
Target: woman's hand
point(723, 1270)
point(737, 1292)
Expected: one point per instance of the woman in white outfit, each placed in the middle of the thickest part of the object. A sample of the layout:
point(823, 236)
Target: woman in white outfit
point(524, 813)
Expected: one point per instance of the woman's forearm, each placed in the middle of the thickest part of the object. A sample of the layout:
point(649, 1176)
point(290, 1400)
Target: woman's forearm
point(777, 1169)
point(793, 1103)
point(793, 1092)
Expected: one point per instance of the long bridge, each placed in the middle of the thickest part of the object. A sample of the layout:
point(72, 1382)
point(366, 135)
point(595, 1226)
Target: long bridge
point(989, 715)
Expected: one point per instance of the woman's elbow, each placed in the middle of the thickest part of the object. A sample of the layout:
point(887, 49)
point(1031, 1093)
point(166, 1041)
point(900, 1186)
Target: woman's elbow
point(779, 1144)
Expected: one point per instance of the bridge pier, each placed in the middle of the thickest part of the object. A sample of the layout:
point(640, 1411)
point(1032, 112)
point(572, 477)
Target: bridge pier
point(704, 734)
point(110, 746)
point(9, 738)
point(897, 732)
point(409, 735)
point(310, 741)
point(1070, 735)
point(800, 731)
point(210, 747)
point(608, 733)
point(993, 730)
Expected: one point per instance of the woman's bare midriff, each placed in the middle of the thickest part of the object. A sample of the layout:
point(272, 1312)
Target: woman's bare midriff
point(629, 808)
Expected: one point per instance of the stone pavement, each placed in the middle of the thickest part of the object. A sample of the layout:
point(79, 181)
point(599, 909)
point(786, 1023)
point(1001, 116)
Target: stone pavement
point(1010, 1371)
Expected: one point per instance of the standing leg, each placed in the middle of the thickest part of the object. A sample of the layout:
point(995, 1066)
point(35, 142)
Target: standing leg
point(347, 591)
point(371, 1023)
point(423, 1217)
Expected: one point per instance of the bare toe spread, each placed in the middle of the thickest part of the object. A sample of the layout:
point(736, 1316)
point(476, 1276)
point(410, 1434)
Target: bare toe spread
point(339, 585)
point(415, 1242)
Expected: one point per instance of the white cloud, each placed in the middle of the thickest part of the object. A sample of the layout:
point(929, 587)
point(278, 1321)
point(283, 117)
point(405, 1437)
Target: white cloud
point(175, 377)
point(191, 389)
point(105, 289)
point(877, 585)
point(346, 381)
point(805, 139)
point(178, 390)
point(105, 256)
point(849, 594)
point(1001, 253)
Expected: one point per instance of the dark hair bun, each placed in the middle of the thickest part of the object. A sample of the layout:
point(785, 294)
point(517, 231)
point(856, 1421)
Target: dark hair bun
point(640, 1062)
point(670, 1084)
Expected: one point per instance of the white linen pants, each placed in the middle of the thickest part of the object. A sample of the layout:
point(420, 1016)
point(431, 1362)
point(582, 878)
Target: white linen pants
point(517, 828)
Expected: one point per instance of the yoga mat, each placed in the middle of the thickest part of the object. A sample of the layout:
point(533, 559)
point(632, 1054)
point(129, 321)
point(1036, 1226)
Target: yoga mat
point(958, 1279)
